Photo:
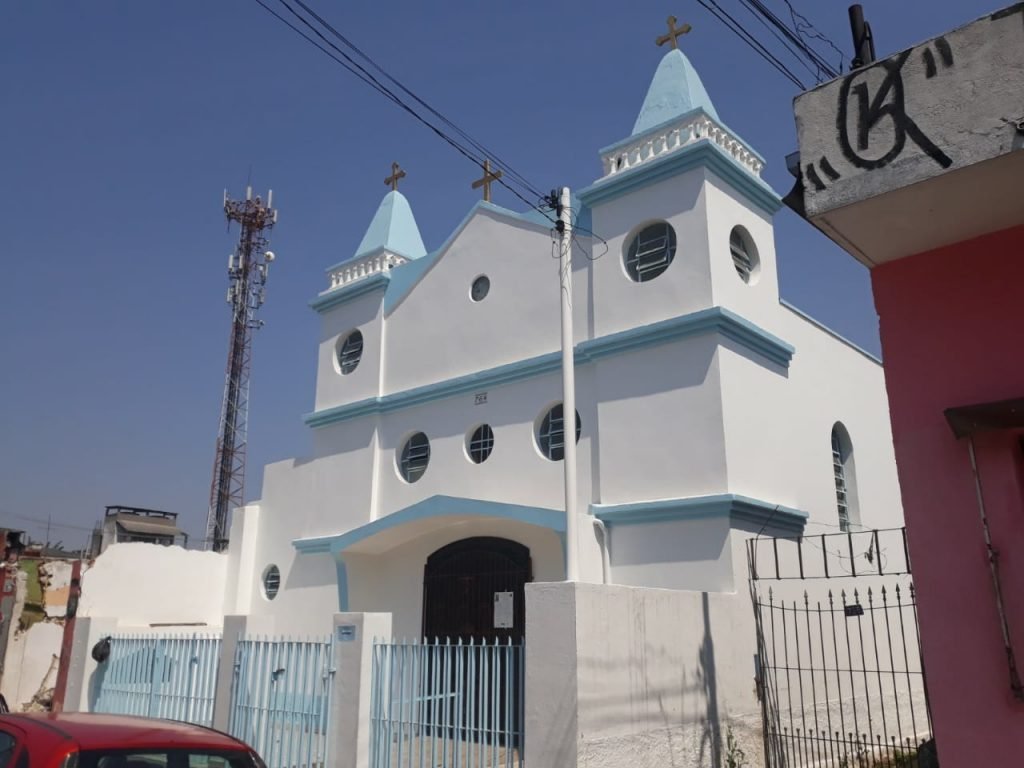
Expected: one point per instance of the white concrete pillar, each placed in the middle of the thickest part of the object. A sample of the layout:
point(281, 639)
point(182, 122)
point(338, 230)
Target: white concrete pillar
point(349, 732)
point(552, 685)
point(234, 628)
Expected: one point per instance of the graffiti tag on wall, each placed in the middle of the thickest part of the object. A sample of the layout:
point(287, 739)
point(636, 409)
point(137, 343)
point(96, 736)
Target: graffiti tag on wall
point(872, 121)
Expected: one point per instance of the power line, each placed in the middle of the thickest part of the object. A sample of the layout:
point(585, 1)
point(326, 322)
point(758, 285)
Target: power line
point(804, 27)
point(362, 74)
point(44, 521)
point(791, 38)
point(730, 21)
point(480, 147)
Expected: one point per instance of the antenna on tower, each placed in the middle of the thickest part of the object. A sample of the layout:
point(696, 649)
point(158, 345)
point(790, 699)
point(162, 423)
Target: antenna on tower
point(247, 277)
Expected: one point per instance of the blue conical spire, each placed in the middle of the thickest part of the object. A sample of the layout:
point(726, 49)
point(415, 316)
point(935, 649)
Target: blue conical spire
point(393, 229)
point(675, 90)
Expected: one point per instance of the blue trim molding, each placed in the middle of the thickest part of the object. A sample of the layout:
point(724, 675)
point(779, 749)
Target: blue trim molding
point(432, 507)
point(714, 320)
point(438, 506)
point(347, 293)
point(702, 153)
point(743, 512)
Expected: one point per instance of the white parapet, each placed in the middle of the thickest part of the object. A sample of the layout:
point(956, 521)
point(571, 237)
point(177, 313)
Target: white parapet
point(673, 136)
point(356, 269)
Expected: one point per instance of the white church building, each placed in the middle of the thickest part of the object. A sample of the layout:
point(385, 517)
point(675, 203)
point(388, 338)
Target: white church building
point(709, 412)
point(707, 406)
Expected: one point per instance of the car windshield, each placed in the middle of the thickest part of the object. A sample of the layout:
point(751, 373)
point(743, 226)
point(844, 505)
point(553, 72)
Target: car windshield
point(164, 758)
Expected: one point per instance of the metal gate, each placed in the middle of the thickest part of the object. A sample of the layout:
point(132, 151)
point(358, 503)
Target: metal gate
point(280, 699)
point(447, 705)
point(840, 671)
point(167, 676)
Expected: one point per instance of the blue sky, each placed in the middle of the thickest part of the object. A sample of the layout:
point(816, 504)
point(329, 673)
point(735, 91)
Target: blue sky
point(123, 122)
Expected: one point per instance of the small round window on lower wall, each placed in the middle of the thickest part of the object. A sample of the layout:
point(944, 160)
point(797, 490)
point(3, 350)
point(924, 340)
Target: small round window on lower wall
point(271, 582)
point(480, 443)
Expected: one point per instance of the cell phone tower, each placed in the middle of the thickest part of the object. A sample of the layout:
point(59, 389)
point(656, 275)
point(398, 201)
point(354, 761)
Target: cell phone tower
point(247, 273)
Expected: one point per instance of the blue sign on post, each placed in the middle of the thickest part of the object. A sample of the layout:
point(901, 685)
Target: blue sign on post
point(346, 633)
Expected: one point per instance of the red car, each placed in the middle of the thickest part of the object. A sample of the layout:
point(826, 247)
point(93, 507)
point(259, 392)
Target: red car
point(78, 740)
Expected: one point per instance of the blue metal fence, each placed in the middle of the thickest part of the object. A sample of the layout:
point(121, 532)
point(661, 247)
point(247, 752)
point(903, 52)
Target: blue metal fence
point(280, 699)
point(449, 705)
point(167, 676)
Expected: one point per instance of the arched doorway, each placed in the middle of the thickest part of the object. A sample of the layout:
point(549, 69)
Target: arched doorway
point(466, 586)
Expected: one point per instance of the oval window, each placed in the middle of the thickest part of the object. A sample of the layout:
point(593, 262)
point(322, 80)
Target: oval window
point(350, 352)
point(480, 288)
point(415, 456)
point(551, 434)
point(744, 255)
point(650, 252)
point(271, 582)
point(480, 444)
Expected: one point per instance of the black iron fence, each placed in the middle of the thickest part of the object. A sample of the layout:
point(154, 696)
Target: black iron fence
point(840, 676)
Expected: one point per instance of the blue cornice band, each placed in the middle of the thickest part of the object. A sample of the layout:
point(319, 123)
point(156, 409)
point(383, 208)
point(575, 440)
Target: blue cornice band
point(743, 512)
point(714, 320)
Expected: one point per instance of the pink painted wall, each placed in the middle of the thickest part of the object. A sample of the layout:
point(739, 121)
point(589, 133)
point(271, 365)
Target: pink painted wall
point(952, 326)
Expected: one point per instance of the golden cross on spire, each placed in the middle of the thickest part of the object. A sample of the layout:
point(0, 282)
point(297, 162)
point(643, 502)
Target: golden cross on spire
point(485, 182)
point(396, 174)
point(673, 33)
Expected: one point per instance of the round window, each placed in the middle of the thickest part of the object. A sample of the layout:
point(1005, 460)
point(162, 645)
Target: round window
point(744, 255)
point(480, 288)
point(415, 456)
point(350, 352)
point(271, 582)
point(480, 444)
point(551, 434)
point(650, 252)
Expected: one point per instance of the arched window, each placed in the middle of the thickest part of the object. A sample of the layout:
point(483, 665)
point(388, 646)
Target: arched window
point(845, 477)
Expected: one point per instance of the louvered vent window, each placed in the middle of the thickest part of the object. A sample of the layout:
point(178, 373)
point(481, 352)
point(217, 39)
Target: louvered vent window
point(743, 258)
point(414, 458)
point(481, 443)
point(842, 502)
point(350, 352)
point(651, 252)
point(551, 435)
point(271, 582)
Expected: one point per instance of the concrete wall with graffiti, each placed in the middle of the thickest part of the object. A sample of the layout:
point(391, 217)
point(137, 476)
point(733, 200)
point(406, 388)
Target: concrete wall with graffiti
point(946, 104)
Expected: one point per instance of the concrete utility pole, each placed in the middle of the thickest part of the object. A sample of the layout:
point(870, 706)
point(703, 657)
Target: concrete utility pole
point(564, 225)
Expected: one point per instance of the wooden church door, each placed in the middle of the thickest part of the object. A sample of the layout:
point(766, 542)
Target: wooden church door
point(468, 587)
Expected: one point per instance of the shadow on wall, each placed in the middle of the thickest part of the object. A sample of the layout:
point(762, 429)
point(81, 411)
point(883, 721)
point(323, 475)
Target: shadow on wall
point(96, 684)
point(711, 738)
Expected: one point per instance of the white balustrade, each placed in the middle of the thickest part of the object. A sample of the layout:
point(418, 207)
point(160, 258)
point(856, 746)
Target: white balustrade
point(357, 269)
point(673, 136)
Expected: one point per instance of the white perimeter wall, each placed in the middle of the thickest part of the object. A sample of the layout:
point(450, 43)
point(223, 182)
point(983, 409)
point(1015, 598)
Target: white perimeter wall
point(638, 677)
point(144, 584)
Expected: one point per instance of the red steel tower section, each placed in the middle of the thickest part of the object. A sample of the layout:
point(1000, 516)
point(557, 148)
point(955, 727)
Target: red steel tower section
point(247, 272)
